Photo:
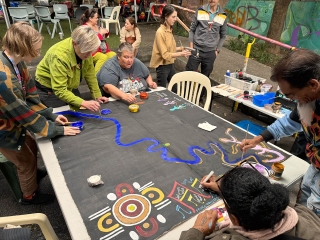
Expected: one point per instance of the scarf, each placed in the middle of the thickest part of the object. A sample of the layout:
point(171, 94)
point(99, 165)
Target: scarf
point(289, 220)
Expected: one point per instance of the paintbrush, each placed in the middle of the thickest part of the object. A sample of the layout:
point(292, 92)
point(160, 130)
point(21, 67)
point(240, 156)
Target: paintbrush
point(245, 142)
point(99, 109)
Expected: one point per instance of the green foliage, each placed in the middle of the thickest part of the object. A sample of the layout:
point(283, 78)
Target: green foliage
point(259, 50)
point(179, 30)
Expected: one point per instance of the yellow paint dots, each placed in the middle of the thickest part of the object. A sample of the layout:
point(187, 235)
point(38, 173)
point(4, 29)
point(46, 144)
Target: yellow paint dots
point(146, 225)
point(131, 207)
point(124, 190)
point(151, 195)
point(108, 221)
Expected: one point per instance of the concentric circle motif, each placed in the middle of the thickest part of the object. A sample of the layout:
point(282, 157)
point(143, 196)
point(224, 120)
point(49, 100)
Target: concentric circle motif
point(131, 209)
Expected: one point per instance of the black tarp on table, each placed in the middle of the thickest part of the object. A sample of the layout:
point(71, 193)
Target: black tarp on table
point(155, 146)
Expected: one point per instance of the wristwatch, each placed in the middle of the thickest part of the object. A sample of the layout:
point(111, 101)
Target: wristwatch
point(218, 50)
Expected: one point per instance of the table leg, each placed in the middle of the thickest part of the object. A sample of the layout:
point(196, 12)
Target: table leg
point(235, 106)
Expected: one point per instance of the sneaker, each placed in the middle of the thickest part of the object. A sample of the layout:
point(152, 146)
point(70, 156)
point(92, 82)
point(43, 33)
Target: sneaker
point(41, 173)
point(37, 198)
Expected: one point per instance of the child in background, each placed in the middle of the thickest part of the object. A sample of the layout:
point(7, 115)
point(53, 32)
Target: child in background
point(130, 33)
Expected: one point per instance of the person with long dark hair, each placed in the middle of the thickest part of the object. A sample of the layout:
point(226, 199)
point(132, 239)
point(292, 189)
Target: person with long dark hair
point(257, 209)
point(165, 49)
point(103, 53)
point(130, 33)
point(22, 113)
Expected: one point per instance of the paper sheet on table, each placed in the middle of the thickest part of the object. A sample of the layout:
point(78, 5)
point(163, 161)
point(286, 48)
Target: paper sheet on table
point(206, 126)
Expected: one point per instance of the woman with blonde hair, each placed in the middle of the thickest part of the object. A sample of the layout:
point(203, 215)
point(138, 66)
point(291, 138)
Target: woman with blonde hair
point(22, 113)
point(62, 69)
point(130, 33)
point(103, 53)
point(165, 49)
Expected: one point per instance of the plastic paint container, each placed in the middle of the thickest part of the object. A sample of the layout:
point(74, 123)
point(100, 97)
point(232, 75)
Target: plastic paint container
point(276, 171)
point(78, 124)
point(134, 108)
point(143, 95)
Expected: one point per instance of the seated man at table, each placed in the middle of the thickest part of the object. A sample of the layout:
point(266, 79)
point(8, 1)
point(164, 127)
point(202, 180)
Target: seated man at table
point(257, 209)
point(123, 73)
point(298, 76)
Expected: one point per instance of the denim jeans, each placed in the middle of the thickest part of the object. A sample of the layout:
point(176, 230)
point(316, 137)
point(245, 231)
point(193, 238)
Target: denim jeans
point(310, 190)
point(164, 74)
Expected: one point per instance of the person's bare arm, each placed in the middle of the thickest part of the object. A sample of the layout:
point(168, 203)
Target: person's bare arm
point(118, 94)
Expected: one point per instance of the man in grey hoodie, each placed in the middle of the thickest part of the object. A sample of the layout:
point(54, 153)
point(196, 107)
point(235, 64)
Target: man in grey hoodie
point(207, 34)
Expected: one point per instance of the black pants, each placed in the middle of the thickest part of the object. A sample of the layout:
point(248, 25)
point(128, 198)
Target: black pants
point(49, 99)
point(206, 59)
point(164, 74)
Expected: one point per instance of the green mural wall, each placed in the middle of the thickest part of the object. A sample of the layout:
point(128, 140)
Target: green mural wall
point(302, 24)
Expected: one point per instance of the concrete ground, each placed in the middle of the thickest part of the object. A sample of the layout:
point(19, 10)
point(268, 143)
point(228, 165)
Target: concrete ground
point(221, 107)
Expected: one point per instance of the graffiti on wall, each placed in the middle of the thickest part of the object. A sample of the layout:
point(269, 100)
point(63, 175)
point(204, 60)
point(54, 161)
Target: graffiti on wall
point(301, 28)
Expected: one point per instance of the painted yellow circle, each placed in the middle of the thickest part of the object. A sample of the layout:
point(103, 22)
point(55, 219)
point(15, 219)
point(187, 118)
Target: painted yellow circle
point(131, 207)
point(108, 221)
point(151, 195)
point(124, 190)
point(146, 225)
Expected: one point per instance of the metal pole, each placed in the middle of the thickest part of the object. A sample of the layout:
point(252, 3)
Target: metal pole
point(135, 11)
point(5, 13)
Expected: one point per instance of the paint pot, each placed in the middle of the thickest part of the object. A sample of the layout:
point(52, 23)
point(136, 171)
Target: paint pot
point(246, 95)
point(143, 95)
point(134, 108)
point(276, 106)
point(105, 111)
point(61, 35)
point(276, 171)
point(134, 92)
point(78, 124)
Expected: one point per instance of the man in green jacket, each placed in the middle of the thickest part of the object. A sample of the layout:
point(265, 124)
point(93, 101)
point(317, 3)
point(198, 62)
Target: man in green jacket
point(63, 67)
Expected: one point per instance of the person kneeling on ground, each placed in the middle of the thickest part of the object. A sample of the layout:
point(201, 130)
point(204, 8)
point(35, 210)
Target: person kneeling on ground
point(22, 113)
point(123, 73)
point(103, 53)
point(62, 69)
point(257, 210)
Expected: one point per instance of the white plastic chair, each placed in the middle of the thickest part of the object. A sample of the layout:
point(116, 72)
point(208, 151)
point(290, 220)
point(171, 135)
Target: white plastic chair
point(20, 14)
point(61, 12)
point(44, 16)
point(87, 5)
point(114, 18)
point(35, 218)
point(31, 12)
point(149, 10)
point(106, 12)
point(190, 85)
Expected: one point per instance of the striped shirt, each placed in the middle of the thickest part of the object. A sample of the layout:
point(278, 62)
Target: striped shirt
point(22, 110)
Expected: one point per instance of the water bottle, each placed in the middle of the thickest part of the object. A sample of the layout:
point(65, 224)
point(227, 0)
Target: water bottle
point(228, 79)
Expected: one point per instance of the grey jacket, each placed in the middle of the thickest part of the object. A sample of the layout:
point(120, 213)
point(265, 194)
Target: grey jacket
point(204, 38)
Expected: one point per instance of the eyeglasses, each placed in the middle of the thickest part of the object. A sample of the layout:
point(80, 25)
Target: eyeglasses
point(219, 178)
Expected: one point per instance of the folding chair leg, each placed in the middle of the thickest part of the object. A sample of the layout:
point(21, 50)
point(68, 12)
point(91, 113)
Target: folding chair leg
point(60, 28)
point(31, 23)
point(148, 16)
point(54, 30)
point(70, 26)
point(118, 27)
point(48, 29)
point(40, 28)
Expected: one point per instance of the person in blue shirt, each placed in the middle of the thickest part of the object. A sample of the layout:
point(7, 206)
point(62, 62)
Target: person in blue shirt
point(298, 76)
